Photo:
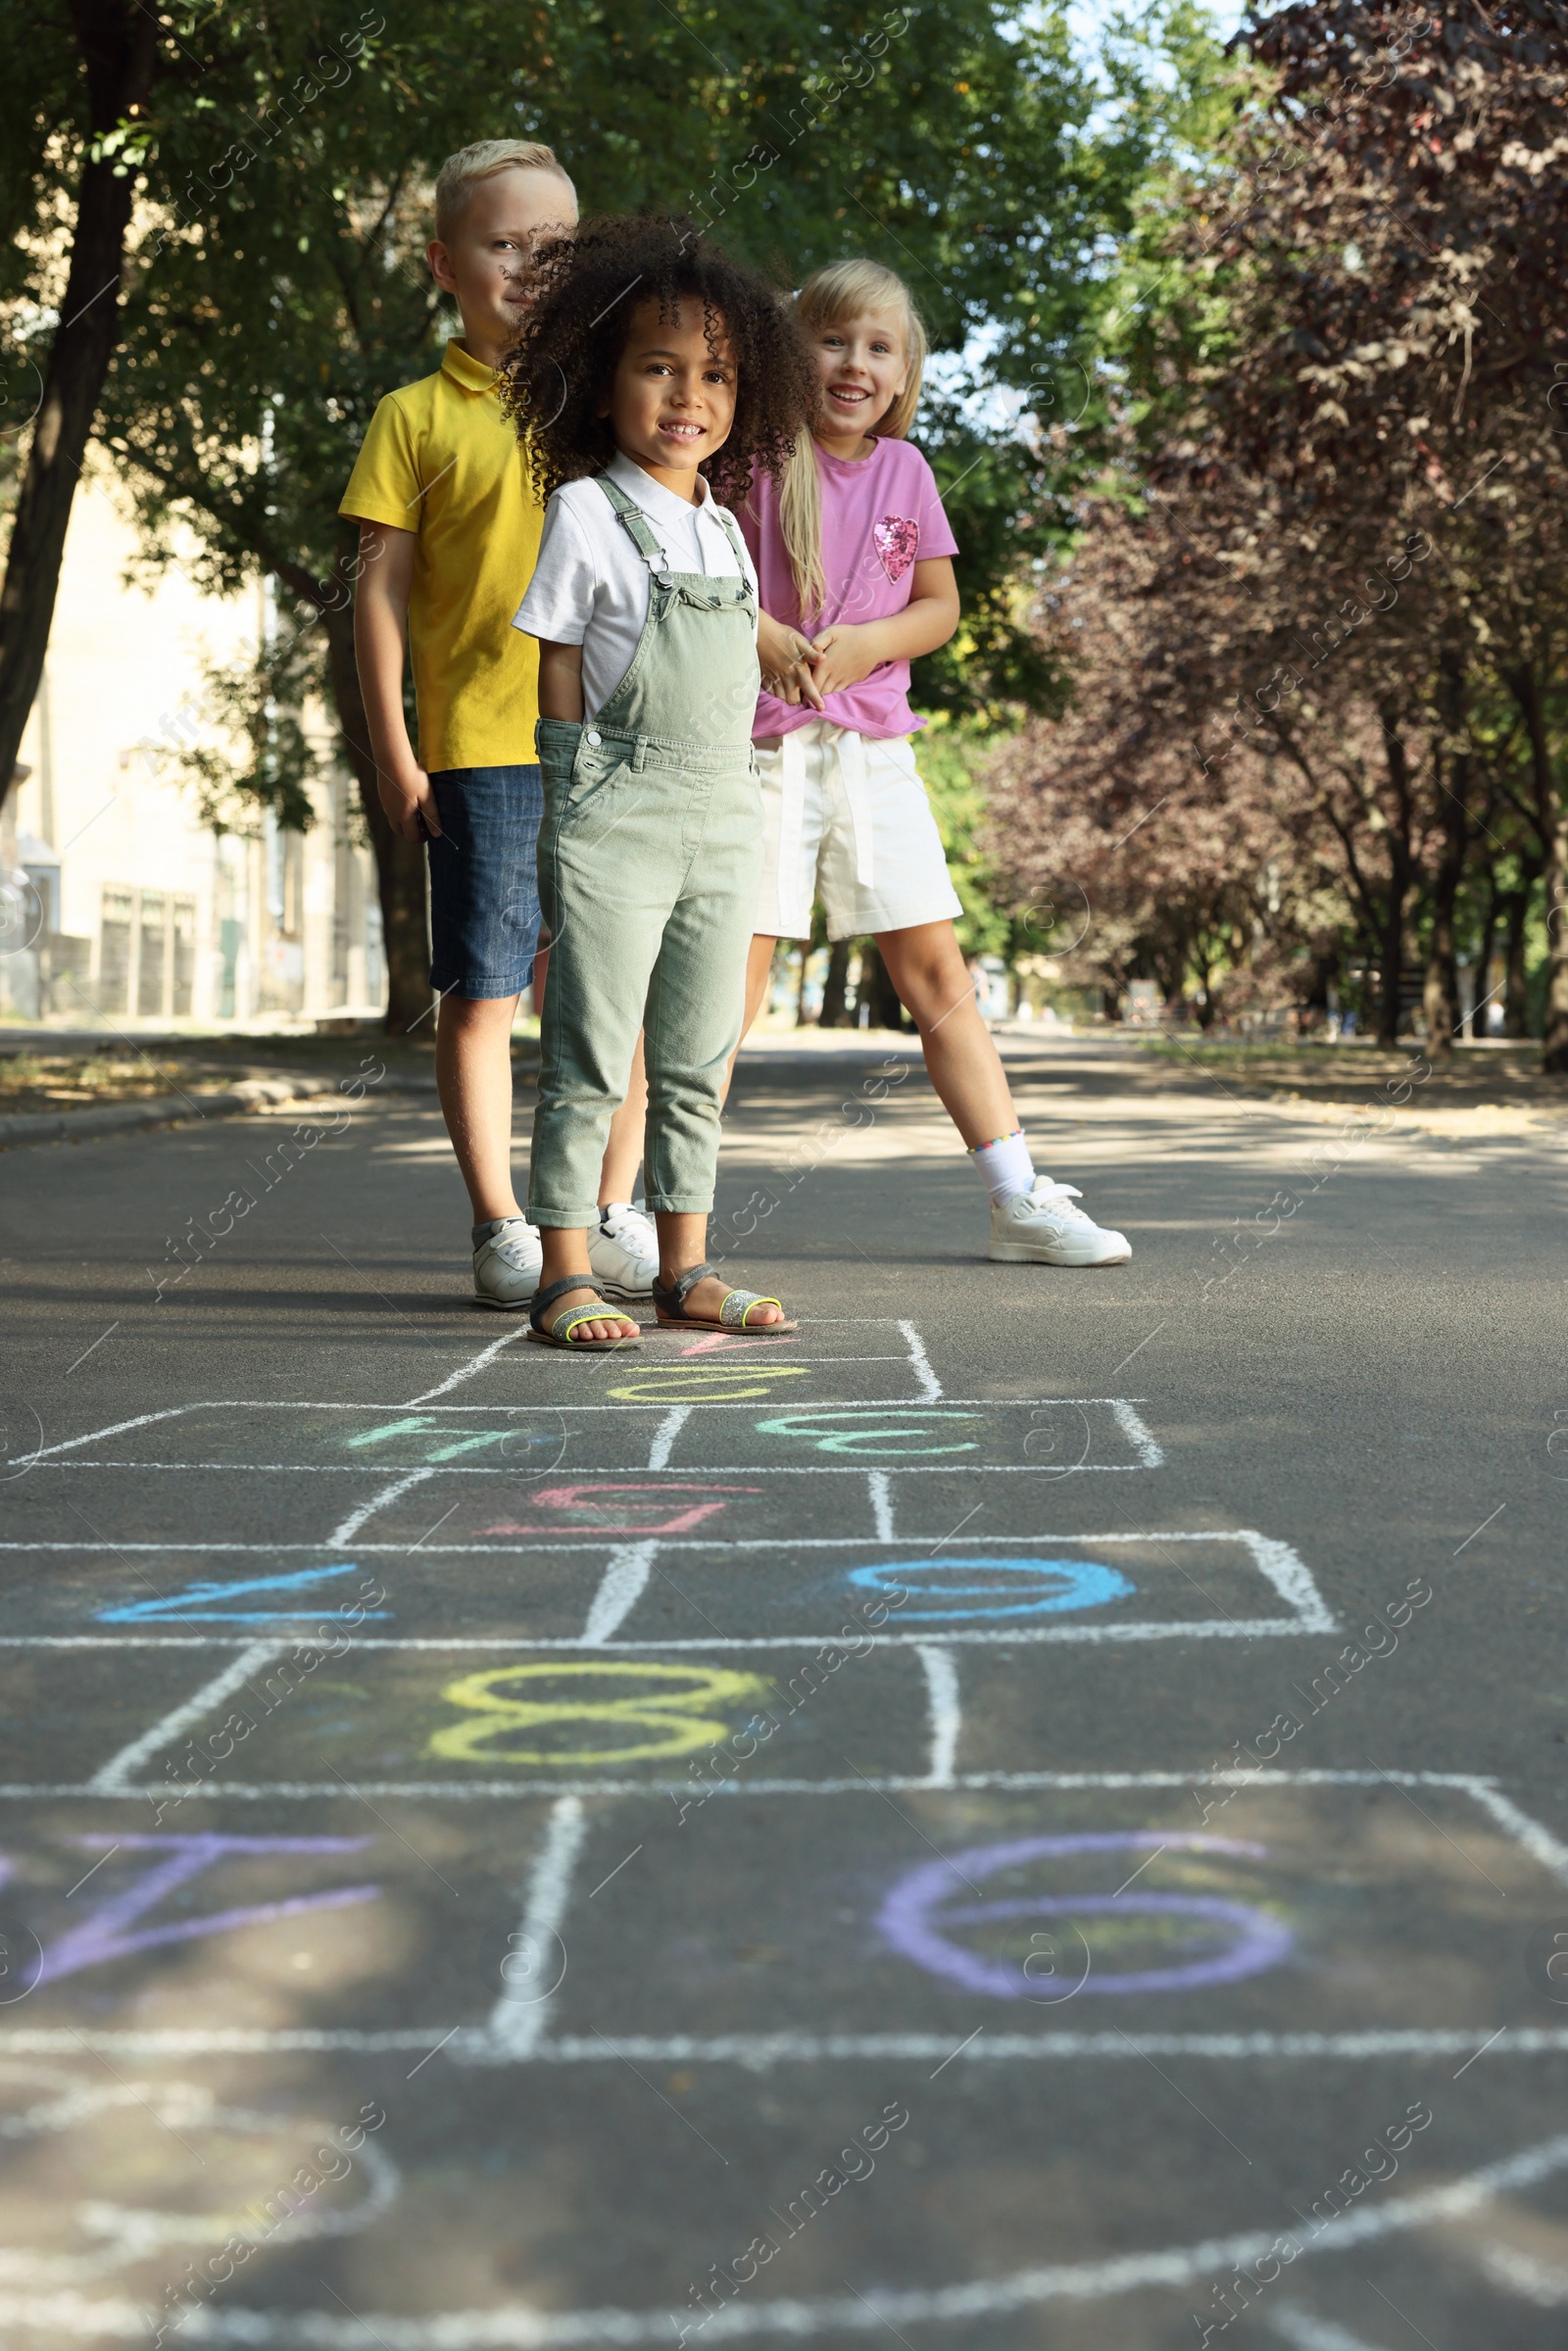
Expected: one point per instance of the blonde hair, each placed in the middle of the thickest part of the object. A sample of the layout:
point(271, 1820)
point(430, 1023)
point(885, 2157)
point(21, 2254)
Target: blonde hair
point(462, 173)
point(846, 290)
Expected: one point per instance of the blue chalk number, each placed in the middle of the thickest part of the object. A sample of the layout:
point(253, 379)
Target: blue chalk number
point(988, 1588)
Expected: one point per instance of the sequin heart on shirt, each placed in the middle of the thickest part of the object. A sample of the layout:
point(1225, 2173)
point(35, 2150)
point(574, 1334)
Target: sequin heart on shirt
point(896, 539)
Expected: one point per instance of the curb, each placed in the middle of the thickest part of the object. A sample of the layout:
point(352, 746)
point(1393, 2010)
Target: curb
point(167, 1109)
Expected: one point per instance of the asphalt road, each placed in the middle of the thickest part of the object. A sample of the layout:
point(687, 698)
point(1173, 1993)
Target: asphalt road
point(1028, 1815)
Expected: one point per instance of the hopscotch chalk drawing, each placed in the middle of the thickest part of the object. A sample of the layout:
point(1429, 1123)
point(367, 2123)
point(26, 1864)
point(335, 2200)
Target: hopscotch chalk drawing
point(499, 1441)
point(415, 1433)
point(616, 1508)
point(920, 1916)
point(660, 1544)
point(107, 1930)
point(983, 1587)
point(261, 2155)
point(210, 1603)
point(681, 1384)
point(744, 1508)
point(884, 1436)
point(672, 1704)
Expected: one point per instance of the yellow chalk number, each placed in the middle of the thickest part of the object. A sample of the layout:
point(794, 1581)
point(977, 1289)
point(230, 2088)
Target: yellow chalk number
point(669, 1703)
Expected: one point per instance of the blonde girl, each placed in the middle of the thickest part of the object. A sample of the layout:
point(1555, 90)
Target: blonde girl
point(854, 556)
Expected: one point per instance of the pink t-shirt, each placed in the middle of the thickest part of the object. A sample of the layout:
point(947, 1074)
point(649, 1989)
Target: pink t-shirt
point(881, 515)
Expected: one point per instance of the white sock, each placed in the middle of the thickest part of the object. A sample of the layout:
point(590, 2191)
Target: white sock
point(1005, 1167)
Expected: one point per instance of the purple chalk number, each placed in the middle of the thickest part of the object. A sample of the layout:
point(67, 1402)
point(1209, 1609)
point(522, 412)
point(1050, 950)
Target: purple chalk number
point(923, 1907)
point(21, 1954)
point(109, 1930)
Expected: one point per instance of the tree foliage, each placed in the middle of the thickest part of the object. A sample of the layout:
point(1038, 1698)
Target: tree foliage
point(276, 290)
point(1329, 544)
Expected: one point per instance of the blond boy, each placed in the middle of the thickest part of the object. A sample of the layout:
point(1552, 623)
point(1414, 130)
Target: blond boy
point(448, 536)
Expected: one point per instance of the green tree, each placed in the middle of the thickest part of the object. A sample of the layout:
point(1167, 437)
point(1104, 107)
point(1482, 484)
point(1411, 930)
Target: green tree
point(95, 74)
point(1329, 540)
point(949, 759)
point(280, 164)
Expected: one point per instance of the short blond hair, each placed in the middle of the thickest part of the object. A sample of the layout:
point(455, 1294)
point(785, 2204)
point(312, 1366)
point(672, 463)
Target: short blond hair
point(462, 173)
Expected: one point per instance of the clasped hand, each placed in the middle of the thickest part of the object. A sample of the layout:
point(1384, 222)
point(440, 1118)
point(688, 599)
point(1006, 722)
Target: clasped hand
point(799, 668)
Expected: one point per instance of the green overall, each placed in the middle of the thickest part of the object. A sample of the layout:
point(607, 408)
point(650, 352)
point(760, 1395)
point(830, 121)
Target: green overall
point(649, 860)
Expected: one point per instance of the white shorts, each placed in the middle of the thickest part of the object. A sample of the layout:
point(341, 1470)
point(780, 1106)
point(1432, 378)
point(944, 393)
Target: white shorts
point(846, 818)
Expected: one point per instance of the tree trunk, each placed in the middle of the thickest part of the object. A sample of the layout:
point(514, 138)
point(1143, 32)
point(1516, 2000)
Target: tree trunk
point(1390, 944)
point(1440, 996)
point(1551, 819)
point(1515, 991)
point(835, 987)
point(877, 990)
point(1391, 962)
point(1555, 1039)
point(118, 50)
point(804, 950)
point(399, 866)
point(1485, 950)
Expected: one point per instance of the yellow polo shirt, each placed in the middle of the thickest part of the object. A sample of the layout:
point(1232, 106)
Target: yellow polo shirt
point(442, 461)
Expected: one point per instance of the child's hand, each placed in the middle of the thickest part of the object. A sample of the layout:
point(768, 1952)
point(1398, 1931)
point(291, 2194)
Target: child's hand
point(789, 660)
point(795, 680)
point(847, 655)
point(409, 801)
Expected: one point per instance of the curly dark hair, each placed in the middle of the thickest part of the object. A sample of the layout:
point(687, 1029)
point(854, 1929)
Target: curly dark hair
point(566, 355)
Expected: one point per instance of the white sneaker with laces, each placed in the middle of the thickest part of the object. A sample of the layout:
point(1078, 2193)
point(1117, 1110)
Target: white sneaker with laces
point(507, 1264)
point(1042, 1227)
point(624, 1252)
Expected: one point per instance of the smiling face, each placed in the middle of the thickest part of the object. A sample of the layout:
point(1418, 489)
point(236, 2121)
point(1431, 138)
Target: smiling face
point(671, 401)
point(487, 259)
point(863, 365)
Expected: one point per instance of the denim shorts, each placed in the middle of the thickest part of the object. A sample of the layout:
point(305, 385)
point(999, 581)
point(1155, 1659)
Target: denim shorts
point(484, 880)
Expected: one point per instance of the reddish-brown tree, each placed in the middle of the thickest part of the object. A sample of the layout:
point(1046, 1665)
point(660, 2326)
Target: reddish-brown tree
point(1351, 558)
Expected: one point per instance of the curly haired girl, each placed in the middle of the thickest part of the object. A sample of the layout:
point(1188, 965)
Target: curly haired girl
point(651, 377)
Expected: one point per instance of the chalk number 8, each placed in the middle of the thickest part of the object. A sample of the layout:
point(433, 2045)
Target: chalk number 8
point(502, 1716)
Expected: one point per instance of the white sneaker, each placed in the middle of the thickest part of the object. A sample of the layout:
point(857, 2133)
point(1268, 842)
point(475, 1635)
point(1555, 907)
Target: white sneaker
point(624, 1253)
point(1042, 1227)
point(508, 1265)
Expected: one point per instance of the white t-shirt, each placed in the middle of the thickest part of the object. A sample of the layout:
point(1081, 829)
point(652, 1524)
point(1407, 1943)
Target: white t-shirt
point(590, 584)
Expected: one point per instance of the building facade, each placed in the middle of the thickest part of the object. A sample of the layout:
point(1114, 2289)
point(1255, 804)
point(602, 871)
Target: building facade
point(120, 905)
